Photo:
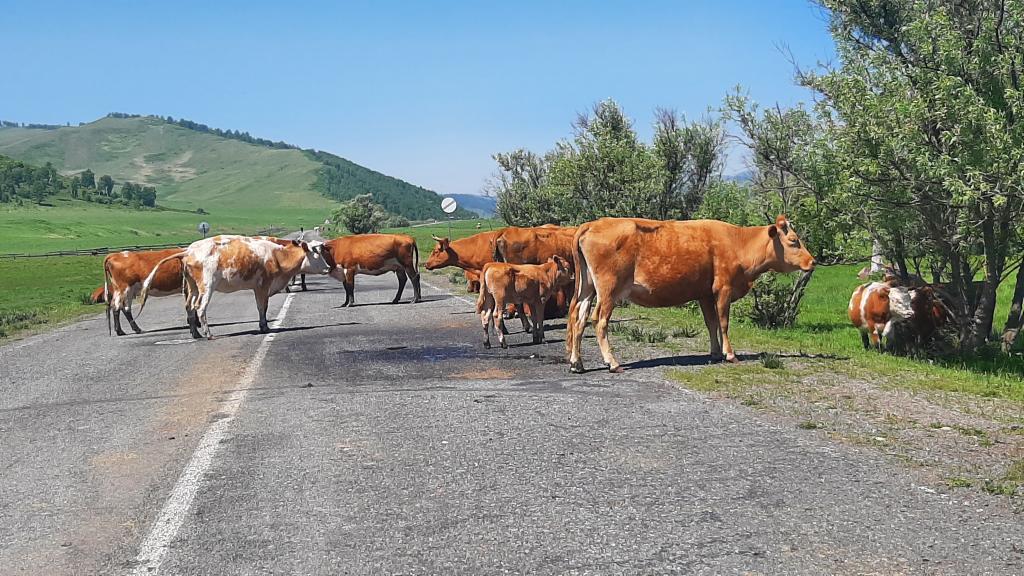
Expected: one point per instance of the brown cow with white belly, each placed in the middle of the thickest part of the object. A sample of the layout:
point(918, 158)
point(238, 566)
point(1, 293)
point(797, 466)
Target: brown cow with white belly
point(502, 284)
point(123, 276)
point(669, 263)
point(233, 263)
point(374, 254)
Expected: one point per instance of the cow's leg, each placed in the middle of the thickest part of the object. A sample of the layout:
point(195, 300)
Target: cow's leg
point(521, 311)
point(191, 292)
point(131, 320)
point(538, 321)
point(486, 312)
point(724, 305)
point(864, 339)
point(401, 285)
point(303, 282)
point(604, 314)
point(350, 287)
point(204, 303)
point(115, 306)
point(262, 300)
point(417, 294)
point(707, 308)
point(498, 322)
point(576, 323)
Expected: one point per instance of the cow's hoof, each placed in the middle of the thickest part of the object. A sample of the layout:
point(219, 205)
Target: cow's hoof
point(576, 367)
point(417, 300)
point(487, 345)
point(731, 358)
point(119, 332)
point(504, 345)
point(616, 369)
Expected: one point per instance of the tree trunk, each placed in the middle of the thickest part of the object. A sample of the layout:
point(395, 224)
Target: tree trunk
point(1016, 316)
point(793, 305)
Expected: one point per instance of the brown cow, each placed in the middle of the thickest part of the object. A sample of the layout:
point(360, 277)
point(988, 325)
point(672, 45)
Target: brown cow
point(535, 246)
point(875, 309)
point(531, 284)
point(233, 263)
point(123, 276)
point(374, 254)
point(467, 253)
point(669, 263)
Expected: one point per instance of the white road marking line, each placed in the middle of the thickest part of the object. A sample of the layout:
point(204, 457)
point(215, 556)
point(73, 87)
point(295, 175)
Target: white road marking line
point(155, 546)
point(449, 292)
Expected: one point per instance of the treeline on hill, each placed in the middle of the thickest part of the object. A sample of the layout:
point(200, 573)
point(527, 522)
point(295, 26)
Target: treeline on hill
point(9, 124)
point(914, 146)
point(20, 182)
point(341, 179)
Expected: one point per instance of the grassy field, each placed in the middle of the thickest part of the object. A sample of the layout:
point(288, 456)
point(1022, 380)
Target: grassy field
point(39, 292)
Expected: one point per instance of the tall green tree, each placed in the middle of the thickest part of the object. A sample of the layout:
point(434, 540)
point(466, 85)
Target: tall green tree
point(924, 114)
point(361, 215)
point(106, 185)
point(88, 178)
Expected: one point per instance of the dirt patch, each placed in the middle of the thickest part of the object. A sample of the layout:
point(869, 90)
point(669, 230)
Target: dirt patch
point(488, 374)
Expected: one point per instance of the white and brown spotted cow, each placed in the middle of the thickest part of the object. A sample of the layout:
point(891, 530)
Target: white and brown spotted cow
point(876, 308)
point(233, 263)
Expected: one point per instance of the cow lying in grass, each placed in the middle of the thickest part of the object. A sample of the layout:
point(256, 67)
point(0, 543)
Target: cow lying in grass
point(530, 284)
point(233, 263)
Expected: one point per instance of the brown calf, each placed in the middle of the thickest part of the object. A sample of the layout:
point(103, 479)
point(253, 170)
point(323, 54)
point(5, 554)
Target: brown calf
point(518, 284)
point(669, 263)
point(374, 254)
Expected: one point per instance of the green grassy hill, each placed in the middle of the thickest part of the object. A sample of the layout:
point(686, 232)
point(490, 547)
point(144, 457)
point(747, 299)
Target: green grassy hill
point(243, 187)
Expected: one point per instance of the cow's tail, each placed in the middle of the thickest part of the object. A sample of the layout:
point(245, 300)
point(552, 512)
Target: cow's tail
point(481, 300)
point(149, 279)
point(106, 292)
point(499, 249)
point(415, 259)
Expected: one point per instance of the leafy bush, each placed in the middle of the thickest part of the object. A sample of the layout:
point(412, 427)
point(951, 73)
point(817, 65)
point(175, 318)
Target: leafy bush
point(775, 300)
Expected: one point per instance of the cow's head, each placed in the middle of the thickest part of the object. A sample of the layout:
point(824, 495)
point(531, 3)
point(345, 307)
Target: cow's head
point(788, 253)
point(315, 260)
point(442, 255)
point(563, 271)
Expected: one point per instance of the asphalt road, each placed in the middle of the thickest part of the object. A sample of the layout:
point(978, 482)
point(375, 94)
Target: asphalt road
point(383, 439)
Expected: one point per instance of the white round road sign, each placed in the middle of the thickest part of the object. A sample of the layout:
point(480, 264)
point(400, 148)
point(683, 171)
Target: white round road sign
point(203, 227)
point(448, 205)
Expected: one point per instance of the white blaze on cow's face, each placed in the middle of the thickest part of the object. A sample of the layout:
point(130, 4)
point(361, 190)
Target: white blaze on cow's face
point(314, 262)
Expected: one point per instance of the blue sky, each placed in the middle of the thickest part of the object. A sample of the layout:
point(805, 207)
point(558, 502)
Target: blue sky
point(425, 91)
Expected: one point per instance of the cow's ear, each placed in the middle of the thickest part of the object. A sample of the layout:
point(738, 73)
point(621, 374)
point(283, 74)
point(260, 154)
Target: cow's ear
point(295, 242)
point(773, 231)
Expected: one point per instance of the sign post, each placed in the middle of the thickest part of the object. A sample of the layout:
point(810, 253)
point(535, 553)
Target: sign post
point(449, 205)
point(203, 227)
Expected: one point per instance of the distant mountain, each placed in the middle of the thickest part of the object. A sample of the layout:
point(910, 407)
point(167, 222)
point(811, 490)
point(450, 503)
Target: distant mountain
point(482, 205)
point(742, 177)
point(195, 166)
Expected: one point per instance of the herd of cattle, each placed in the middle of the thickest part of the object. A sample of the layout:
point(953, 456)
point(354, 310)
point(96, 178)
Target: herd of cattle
point(541, 273)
